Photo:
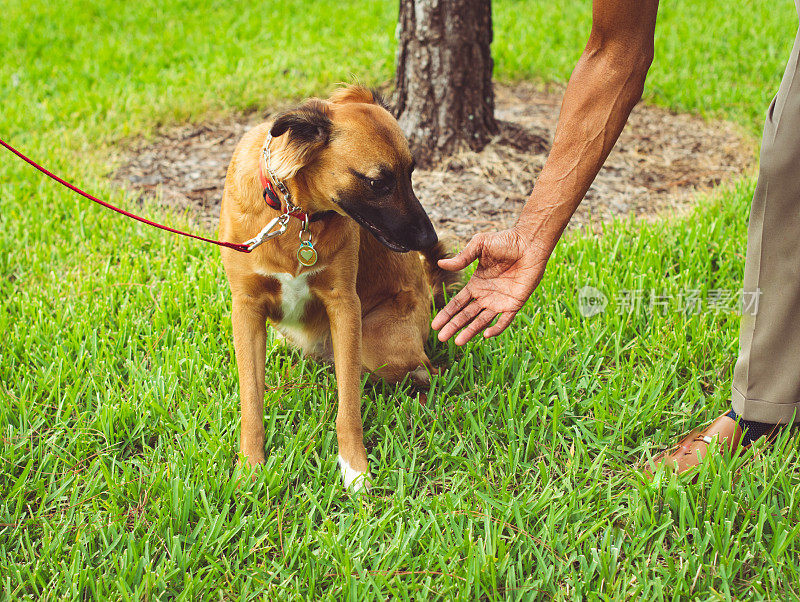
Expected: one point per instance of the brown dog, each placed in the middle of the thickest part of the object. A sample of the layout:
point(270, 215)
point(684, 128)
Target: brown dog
point(337, 279)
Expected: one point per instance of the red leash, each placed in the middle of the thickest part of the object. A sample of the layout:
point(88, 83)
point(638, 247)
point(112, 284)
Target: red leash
point(241, 247)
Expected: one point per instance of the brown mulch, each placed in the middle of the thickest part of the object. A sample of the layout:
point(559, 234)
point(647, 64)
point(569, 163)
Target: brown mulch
point(659, 163)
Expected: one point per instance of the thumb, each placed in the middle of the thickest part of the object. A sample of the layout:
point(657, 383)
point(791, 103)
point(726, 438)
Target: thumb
point(467, 255)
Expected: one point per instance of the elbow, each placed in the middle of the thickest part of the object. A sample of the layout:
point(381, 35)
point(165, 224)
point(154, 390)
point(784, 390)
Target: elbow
point(645, 55)
point(638, 73)
point(626, 61)
point(630, 51)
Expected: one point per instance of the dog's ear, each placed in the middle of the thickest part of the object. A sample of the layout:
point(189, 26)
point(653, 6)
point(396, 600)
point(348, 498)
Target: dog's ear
point(347, 94)
point(308, 129)
point(380, 100)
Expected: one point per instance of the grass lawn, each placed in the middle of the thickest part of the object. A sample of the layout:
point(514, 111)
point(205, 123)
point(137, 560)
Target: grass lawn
point(118, 390)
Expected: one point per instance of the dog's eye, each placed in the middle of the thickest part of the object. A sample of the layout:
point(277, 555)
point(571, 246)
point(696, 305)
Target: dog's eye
point(381, 185)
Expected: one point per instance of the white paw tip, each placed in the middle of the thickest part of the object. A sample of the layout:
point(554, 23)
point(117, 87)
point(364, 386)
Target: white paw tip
point(420, 377)
point(353, 479)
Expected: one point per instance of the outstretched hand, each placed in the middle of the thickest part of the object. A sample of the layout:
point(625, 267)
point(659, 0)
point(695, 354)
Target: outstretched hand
point(509, 270)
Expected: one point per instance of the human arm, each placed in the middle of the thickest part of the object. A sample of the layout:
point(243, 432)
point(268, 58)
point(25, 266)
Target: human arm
point(605, 85)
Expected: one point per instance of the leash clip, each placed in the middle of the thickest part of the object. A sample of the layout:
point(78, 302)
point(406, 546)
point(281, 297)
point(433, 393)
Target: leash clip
point(269, 231)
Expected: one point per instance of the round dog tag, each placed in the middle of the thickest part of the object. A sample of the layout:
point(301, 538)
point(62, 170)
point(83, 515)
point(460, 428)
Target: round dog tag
point(307, 254)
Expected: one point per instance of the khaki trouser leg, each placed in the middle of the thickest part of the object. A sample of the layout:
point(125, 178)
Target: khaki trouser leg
point(766, 382)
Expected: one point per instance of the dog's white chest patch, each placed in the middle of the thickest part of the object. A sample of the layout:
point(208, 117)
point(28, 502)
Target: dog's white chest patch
point(295, 294)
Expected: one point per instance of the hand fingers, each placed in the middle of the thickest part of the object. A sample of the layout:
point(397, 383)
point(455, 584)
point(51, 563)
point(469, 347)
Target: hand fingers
point(459, 320)
point(482, 321)
point(467, 256)
point(502, 323)
point(455, 305)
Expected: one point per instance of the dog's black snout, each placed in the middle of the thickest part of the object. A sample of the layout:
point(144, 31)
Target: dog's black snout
point(426, 237)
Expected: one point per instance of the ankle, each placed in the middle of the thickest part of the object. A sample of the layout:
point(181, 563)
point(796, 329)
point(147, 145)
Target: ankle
point(752, 430)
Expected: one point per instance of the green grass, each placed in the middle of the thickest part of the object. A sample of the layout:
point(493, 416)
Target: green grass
point(118, 392)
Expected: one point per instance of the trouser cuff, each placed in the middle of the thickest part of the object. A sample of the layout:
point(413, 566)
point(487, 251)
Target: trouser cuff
point(760, 410)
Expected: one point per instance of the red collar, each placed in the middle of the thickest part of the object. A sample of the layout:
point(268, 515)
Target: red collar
point(271, 197)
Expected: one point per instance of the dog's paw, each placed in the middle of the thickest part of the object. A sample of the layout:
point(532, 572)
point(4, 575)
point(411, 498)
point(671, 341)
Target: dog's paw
point(420, 377)
point(354, 480)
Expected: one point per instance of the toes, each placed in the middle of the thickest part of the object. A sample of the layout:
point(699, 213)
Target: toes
point(361, 483)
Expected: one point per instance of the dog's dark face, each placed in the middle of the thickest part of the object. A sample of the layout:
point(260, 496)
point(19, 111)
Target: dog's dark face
point(349, 155)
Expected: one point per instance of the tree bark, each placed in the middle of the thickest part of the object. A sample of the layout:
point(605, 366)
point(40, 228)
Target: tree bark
point(444, 99)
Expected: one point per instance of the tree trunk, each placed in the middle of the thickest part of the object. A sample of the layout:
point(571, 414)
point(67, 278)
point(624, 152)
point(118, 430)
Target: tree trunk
point(444, 99)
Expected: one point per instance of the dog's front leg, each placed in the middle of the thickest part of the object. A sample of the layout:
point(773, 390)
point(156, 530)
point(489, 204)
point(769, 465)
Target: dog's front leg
point(250, 344)
point(344, 312)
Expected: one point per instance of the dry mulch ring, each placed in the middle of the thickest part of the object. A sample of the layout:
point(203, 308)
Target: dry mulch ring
point(660, 161)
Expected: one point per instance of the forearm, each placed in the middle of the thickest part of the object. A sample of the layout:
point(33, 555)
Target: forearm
point(605, 86)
